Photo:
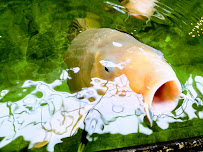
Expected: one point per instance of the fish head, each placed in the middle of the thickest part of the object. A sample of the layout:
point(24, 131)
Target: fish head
point(107, 66)
point(150, 75)
point(146, 69)
point(110, 54)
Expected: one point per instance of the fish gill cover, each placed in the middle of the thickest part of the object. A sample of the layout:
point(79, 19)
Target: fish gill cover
point(35, 102)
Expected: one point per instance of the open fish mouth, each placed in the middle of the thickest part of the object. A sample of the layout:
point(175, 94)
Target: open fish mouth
point(165, 97)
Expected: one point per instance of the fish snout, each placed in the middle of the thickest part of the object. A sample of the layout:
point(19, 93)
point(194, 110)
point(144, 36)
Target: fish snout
point(163, 97)
point(155, 79)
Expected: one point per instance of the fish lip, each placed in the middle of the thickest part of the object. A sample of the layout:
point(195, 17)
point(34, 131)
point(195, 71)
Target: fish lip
point(176, 99)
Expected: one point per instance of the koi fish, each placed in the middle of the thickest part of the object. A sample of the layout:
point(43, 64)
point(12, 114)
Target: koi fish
point(140, 9)
point(106, 54)
point(101, 52)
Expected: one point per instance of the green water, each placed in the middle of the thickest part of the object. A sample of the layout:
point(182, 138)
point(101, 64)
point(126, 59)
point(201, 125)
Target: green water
point(34, 38)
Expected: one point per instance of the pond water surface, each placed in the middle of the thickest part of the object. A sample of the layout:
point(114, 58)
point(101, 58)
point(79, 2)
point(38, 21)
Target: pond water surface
point(36, 106)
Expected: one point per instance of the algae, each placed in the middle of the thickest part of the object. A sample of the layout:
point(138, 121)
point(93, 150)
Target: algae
point(34, 39)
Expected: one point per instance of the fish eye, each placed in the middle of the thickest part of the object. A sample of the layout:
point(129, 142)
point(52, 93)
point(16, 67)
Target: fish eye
point(108, 65)
point(107, 69)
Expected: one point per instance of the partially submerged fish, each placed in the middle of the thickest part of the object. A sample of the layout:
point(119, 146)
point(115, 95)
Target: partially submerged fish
point(140, 9)
point(106, 53)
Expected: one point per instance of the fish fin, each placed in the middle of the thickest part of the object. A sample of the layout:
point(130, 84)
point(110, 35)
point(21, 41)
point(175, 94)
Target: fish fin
point(79, 25)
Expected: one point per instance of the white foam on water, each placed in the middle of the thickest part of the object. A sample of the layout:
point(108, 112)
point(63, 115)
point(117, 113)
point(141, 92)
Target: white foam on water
point(58, 115)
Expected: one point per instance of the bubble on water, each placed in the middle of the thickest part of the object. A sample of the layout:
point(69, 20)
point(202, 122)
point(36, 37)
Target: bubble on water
point(117, 108)
point(90, 92)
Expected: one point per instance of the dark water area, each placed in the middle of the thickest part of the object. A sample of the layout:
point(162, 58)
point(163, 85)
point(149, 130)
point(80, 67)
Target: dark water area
point(36, 105)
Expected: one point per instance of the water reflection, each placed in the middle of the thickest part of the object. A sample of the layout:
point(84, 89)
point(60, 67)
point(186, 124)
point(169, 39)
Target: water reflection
point(106, 107)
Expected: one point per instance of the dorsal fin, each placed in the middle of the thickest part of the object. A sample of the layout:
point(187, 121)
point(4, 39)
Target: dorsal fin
point(79, 25)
